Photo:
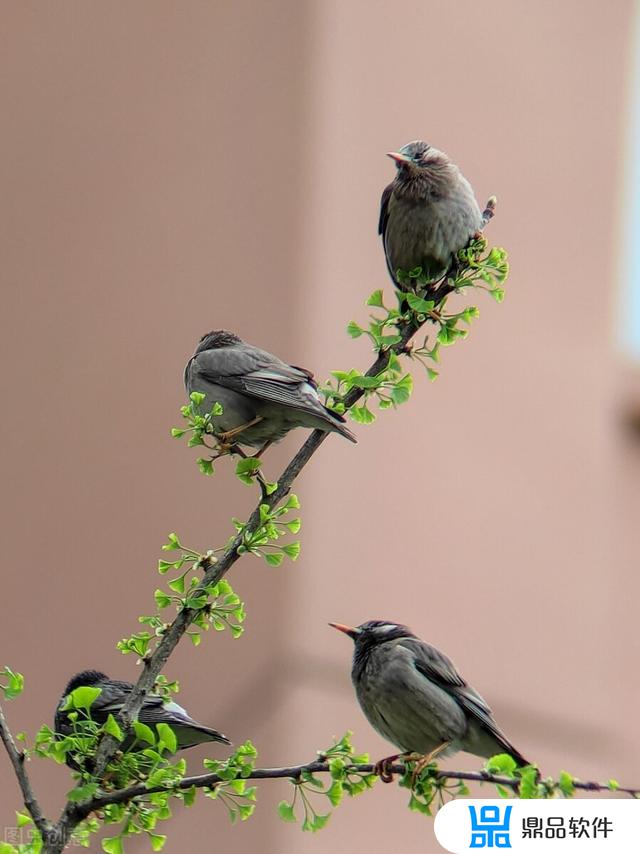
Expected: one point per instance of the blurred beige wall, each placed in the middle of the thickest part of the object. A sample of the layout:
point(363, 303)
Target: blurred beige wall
point(168, 169)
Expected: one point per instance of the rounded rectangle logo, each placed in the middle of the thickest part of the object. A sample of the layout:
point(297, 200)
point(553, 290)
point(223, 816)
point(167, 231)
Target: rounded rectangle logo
point(591, 825)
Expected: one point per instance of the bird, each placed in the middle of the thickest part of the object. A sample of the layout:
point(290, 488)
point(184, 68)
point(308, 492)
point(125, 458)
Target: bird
point(428, 213)
point(155, 710)
point(262, 397)
point(413, 696)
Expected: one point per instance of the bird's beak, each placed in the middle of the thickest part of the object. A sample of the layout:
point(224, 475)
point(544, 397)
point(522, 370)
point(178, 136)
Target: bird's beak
point(399, 158)
point(347, 630)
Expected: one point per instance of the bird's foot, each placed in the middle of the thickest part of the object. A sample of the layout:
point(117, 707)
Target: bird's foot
point(226, 437)
point(382, 768)
point(259, 453)
point(427, 759)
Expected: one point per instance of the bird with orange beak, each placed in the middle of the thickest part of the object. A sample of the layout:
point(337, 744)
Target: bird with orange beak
point(413, 696)
point(427, 214)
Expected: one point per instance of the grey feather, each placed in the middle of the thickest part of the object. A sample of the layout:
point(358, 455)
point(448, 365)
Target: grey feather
point(251, 383)
point(155, 710)
point(427, 214)
point(412, 694)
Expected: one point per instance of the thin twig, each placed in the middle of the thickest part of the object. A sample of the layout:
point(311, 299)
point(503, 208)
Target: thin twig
point(215, 570)
point(17, 760)
point(294, 772)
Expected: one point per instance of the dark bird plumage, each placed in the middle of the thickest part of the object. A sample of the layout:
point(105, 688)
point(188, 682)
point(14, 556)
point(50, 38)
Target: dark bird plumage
point(415, 698)
point(155, 710)
point(256, 389)
point(427, 214)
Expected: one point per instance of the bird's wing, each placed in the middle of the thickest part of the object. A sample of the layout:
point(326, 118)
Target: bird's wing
point(433, 664)
point(384, 209)
point(114, 695)
point(385, 203)
point(259, 374)
point(188, 731)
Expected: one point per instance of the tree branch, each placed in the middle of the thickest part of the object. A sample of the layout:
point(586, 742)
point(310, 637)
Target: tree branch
point(215, 570)
point(294, 772)
point(17, 760)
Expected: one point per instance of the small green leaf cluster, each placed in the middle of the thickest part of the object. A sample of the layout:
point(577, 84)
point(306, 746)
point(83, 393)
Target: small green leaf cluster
point(483, 268)
point(199, 425)
point(271, 528)
point(248, 471)
point(345, 779)
point(143, 756)
point(477, 267)
point(428, 788)
point(14, 684)
point(233, 791)
point(390, 387)
point(217, 605)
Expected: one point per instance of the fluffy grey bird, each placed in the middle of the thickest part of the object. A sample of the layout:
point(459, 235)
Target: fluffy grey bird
point(262, 397)
point(155, 710)
point(428, 212)
point(415, 698)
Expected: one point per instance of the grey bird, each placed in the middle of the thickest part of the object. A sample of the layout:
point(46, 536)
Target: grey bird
point(415, 698)
point(428, 213)
point(262, 397)
point(155, 710)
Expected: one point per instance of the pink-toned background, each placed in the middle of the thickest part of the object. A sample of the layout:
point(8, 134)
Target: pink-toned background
point(168, 168)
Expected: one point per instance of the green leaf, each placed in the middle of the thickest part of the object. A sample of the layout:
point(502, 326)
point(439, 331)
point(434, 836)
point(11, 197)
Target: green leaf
point(15, 683)
point(167, 737)
point(157, 841)
point(274, 558)
point(164, 566)
point(197, 397)
point(401, 392)
point(613, 785)
point(528, 783)
point(422, 306)
point(82, 793)
point(177, 584)
point(335, 793)
point(111, 727)
point(367, 382)
point(362, 415)
point(292, 550)
point(319, 821)
point(113, 845)
point(354, 330)
point(565, 783)
point(205, 466)
point(172, 544)
point(502, 763)
point(177, 433)
point(22, 819)
point(82, 698)
point(162, 600)
point(285, 811)
point(144, 733)
point(250, 465)
point(189, 796)
point(375, 300)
